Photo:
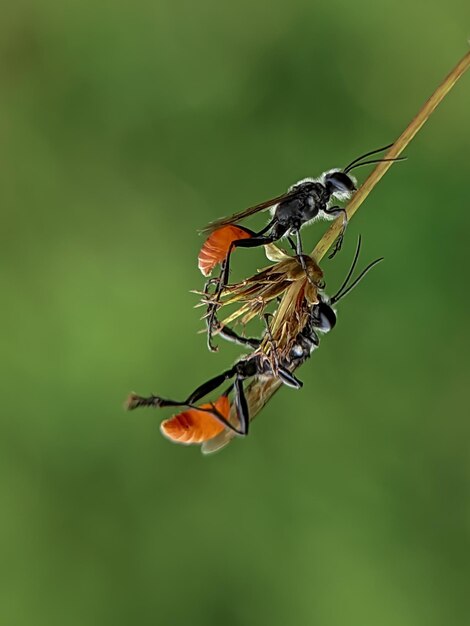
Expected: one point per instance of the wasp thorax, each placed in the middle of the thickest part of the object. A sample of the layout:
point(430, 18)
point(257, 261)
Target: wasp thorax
point(339, 184)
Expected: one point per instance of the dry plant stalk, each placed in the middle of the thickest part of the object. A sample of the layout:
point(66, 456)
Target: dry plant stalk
point(259, 392)
point(256, 292)
point(292, 314)
point(400, 144)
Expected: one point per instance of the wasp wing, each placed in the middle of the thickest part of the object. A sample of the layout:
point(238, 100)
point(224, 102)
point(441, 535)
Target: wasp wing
point(236, 217)
point(218, 442)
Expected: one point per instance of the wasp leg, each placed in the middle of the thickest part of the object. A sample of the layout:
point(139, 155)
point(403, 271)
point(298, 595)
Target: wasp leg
point(292, 244)
point(214, 326)
point(201, 391)
point(300, 256)
point(135, 401)
point(299, 250)
point(336, 211)
point(210, 323)
point(208, 284)
point(207, 387)
point(242, 407)
point(253, 242)
point(289, 379)
point(227, 333)
point(230, 335)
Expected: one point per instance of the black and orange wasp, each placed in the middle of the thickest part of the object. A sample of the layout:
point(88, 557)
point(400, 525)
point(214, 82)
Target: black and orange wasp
point(308, 200)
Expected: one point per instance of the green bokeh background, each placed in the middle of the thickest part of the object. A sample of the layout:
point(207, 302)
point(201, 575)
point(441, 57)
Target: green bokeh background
point(125, 127)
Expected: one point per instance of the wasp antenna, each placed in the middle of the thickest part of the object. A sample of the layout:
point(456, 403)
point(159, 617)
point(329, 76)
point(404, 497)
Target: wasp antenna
point(363, 156)
point(337, 295)
point(349, 168)
point(357, 281)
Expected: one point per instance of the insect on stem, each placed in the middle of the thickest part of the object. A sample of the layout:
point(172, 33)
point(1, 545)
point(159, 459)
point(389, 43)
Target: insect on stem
point(261, 390)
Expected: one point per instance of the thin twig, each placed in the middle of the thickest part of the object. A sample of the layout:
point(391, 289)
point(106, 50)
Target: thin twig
point(400, 144)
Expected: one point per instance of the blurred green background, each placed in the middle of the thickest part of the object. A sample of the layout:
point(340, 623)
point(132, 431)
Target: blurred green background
point(125, 127)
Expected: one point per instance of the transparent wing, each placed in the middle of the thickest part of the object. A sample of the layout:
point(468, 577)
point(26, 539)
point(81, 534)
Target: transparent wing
point(217, 443)
point(236, 217)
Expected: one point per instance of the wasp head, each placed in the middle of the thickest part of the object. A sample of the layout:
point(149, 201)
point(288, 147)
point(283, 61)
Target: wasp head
point(339, 184)
point(324, 316)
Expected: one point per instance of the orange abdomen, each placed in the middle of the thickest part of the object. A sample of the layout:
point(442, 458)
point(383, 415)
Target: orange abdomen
point(193, 426)
point(216, 246)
